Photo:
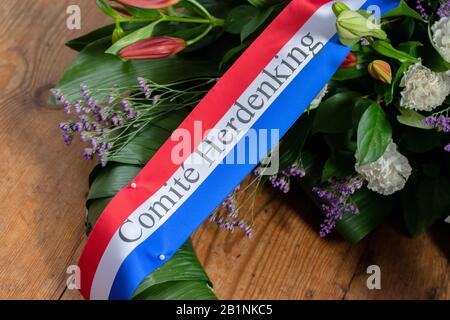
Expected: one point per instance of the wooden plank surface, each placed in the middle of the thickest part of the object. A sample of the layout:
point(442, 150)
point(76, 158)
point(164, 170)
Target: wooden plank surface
point(43, 185)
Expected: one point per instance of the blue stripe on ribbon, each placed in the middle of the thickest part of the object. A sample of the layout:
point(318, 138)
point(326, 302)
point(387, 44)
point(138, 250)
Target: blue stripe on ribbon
point(286, 109)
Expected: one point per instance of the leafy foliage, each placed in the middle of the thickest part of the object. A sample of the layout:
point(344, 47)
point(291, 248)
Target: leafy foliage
point(358, 115)
point(374, 134)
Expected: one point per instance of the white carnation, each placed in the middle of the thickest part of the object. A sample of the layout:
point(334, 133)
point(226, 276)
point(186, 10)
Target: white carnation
point(318, 99)
point(424, 89)
point(388, 174)
point(441, 37)
point(447, 219)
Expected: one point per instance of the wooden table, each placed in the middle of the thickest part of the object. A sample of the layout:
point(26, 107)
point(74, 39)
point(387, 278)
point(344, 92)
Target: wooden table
point(43, 186)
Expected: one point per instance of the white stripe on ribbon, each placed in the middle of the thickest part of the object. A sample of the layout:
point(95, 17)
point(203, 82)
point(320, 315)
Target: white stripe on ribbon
point(321, 25)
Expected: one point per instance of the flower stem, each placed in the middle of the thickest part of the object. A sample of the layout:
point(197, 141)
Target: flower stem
point(200, 36)
point(201, 8)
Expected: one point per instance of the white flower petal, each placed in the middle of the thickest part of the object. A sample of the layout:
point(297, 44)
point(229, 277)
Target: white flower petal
point(424, 89)
point(388, 174)
point(441, 37)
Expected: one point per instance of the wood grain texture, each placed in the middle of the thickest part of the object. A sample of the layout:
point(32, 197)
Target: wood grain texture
point(43, 186)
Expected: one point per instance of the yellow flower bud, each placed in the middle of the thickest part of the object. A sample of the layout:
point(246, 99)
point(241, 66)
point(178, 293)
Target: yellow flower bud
point(354, 25)
point(380, 70)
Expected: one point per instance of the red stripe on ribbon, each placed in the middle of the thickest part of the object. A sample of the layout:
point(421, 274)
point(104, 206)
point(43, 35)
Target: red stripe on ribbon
point(210, 110)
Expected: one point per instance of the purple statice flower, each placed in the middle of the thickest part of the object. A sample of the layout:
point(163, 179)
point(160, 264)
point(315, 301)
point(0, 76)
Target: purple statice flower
point(77, 107)
point(246, 229)
point(85, 92)
point(336, 201)
point(88, 153)
point(444, 9)
point(77, 127)
point(129, 111)
point(447, 148)
point(94, 121)
point(420, 8)
point(61, 99)
point(438, 121)
point(229, 204)
point(231, 225)
point(67, 131)
point(111, 98)
point(92, 104)
point(228, 217)
point(144, 88)
point(294, 171)
point(101, 119)
point(282, 180)
point(112, 95)
point(117, 121)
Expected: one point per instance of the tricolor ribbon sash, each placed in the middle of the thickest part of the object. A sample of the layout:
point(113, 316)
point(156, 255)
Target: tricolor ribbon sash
point(268, 87)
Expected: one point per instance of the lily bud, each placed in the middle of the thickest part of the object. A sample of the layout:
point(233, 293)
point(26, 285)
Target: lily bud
point(339, 7)
point(149, 4)
point(350, 61)
point(117, 34)
point(353, 25)
point(380, 70)
point(153, 48)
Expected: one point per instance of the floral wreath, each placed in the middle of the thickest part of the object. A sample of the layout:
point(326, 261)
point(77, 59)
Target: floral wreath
point(373, 144)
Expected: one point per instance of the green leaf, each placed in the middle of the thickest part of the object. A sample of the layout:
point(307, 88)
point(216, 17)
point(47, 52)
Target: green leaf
point(112, 179)
point(410, 47)
point(386, 49)
point(103, 33)
point(373, 210)
point(411, 118)
point(424, 201)
point(330, 170)
point(107, 9)
point(239, 17)
point(80, 43)
point(420, 141)
point(293, 142)
point(342, 147)
point(179, 290)
point(182, 277)
point(263, 3)
point(334, 114)
point(389, 95)
point(349, 73)
point(141, 34)
point(406, 29)
point(143, 13)
point(233, 52)
point(340, 165)
point(145, 144)
point(374, 135)
point(403, 10)
point(361, 106)
point(94, 210)
point(101, 71)
point(260, 17)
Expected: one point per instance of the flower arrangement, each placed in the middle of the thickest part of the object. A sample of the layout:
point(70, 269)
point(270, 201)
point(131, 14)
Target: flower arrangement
point(374, 143)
